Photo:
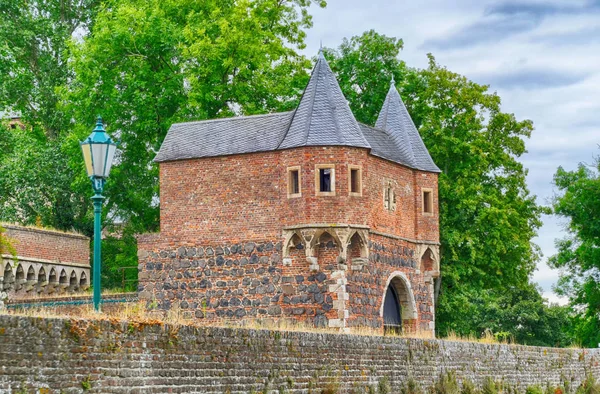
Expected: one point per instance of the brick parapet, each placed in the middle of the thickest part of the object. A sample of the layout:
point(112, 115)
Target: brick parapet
point(49, 245)
point(53, 355)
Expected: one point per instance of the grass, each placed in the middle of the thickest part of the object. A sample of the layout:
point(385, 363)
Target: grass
point(141, 312)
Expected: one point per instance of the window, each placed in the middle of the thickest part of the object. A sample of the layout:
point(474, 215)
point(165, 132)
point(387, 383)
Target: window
point(428, 201)
point(294, 182)
point(325, 180)
point(389, 196)
point(355, 180)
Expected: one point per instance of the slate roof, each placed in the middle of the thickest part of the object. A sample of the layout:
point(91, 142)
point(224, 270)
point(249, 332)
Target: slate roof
point(323, 118)
point(409, 147)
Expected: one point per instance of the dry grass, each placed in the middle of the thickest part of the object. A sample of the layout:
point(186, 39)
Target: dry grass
point(487, 337)
point(140, 313)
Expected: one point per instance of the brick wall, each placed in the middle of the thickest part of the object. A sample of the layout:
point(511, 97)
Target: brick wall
point(244, 197)
point(53, 355)
point(49, 245)
point(238, 208)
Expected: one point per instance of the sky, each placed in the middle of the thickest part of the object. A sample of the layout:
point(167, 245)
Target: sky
point(541, 57)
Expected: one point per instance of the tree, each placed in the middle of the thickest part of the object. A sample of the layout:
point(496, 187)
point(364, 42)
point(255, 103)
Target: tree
point(487, 215)
point(36, 181)
point(148, 64)
point(6, 244)
point(578, 254)
point(142, 65)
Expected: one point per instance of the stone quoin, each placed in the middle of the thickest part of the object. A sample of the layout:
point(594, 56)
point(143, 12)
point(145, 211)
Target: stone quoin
point(306, 215)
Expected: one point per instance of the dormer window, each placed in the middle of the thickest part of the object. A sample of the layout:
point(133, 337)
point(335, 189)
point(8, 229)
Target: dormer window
point(293, 182)
point(389, 196)
point(325, 180)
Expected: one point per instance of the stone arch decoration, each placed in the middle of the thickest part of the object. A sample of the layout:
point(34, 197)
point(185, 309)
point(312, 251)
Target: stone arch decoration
point(19, 277)
point(399, 286)
point(425, 251)
point(9, 278)
point(292, 239)
point(73, 281)
point(42, 280)
point(52, 281)
point(83, 282)
point(310, 236)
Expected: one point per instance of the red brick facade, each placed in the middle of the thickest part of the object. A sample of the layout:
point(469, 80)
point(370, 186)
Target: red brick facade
point(233, 244)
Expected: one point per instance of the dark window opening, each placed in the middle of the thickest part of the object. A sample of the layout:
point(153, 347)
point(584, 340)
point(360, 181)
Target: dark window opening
point(294, 182)
point(427, 202)
point(325, 179)
point(392, 312)
point(354, 181)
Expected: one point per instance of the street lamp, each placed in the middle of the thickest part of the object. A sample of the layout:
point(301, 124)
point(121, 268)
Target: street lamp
point(98, 153)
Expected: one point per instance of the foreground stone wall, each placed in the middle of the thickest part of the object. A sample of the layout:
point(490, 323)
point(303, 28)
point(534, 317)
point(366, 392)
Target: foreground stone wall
point(54, 355)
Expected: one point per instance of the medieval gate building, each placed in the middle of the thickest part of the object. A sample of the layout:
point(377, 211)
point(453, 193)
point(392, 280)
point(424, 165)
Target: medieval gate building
point(305, 214)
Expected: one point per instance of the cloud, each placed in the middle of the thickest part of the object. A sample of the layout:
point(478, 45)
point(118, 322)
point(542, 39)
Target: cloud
point(541, 9)
point(532, 78)
point(489, 29)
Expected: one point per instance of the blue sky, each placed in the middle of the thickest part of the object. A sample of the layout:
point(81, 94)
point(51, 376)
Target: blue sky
point(542, 57)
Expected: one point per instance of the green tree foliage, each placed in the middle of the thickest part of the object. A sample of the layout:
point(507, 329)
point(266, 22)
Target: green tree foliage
point(6, 244)
point(33, 54)
point(36, 181)
point(142, 65)
point(487, 215)
point(578, 254)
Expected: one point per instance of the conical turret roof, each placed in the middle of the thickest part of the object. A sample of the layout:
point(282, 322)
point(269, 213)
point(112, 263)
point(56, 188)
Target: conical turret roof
point(396, 121)
point(323, 116)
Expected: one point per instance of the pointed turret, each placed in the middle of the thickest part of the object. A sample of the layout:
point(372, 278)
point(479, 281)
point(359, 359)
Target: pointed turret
point(396, 121)
point(323, 116)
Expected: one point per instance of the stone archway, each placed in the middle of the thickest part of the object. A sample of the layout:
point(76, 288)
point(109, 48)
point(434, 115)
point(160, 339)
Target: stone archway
point(398, 308)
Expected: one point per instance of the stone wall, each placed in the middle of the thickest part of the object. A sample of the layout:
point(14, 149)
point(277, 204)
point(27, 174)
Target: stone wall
point(259, 280)
point(69, 356)
point(47, 262)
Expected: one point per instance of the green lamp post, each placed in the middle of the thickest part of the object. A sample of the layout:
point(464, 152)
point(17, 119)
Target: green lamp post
point(98, 153)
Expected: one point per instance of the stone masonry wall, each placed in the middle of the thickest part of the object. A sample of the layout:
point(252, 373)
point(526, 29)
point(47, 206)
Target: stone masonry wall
point(70, 356)
point(245, 280)
point(250, 280)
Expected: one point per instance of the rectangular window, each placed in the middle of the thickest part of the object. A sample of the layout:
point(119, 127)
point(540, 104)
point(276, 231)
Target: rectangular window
point(294, 182)
point(355, 180)
point(325, 180)
point(427, 201)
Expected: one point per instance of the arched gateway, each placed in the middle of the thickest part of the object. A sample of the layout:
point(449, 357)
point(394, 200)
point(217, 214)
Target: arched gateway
point(398, 308)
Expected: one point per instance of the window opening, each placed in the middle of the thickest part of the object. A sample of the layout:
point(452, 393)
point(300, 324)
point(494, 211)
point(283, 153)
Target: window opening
point(325, 179)
point(389, 197)
point(294, 181)
point(427, 201)
point(355, 180)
